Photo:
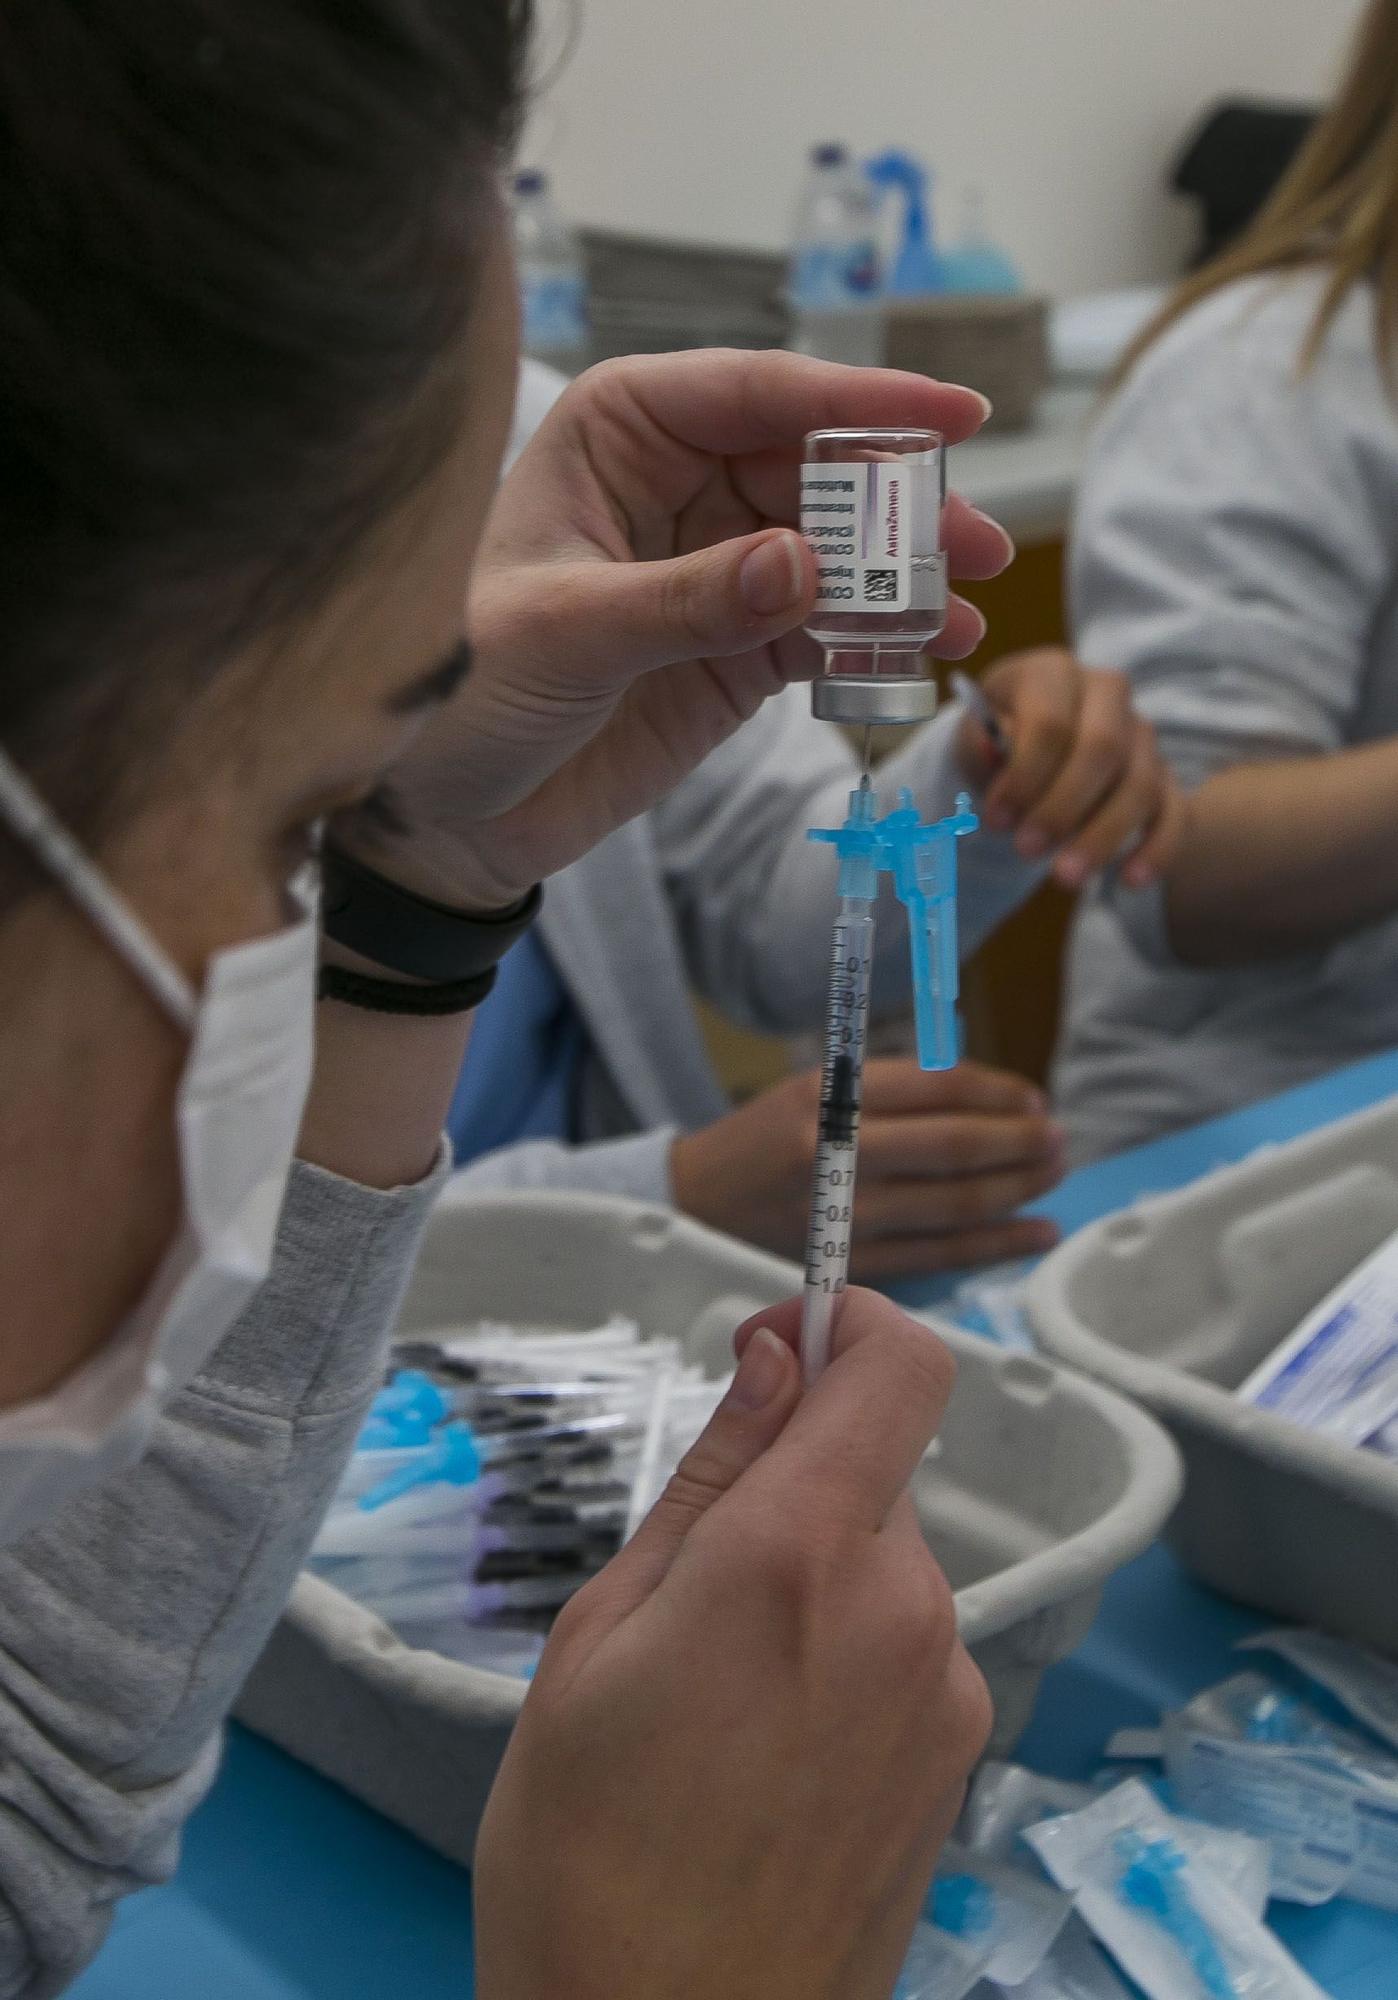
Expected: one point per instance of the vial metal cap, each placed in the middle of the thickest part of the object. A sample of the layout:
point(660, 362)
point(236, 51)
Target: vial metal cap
point(869, 698)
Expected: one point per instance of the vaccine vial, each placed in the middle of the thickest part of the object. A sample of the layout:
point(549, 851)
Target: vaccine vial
point(871, 509)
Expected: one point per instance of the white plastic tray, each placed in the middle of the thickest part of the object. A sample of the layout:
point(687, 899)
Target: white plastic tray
point(1176, 1300)
point(1043, 1486)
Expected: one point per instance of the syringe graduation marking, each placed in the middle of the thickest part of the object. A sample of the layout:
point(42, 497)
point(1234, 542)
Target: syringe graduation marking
point(839, 1109)
point(832, 1192)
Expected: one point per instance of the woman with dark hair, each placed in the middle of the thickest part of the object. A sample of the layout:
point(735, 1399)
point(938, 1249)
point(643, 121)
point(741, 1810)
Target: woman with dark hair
point(1236, 552)
point(257, 355)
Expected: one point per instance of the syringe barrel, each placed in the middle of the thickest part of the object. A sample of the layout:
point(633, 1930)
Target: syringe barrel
point(837, 1144)
point(871, 509)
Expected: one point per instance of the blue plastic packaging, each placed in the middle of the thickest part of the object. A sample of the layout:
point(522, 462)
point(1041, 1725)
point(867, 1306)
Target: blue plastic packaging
point(963, 1905)
point(917, 268)
point(1152, 1880)
point(920, 857)
point(404, 1413)
point(453, 1459)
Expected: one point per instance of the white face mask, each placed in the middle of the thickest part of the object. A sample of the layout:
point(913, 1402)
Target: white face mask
point(238, 1111)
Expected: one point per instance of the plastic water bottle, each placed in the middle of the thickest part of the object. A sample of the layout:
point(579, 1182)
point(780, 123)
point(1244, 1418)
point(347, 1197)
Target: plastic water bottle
point(834, 280)
point(552, 277)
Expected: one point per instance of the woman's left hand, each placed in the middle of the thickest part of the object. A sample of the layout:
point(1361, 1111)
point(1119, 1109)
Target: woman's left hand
point(639, 593)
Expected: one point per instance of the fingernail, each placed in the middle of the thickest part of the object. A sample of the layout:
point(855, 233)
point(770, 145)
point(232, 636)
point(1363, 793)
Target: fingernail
point(1040, 1101)
point(987, 407)
point(1046, 1234)
point(1070, 871)
point(1031, 843)
point(770, 578)
point(761, 1371)
point(1000, 529)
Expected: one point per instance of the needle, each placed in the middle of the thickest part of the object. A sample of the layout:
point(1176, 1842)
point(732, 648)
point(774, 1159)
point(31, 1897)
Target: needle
point(868, 738)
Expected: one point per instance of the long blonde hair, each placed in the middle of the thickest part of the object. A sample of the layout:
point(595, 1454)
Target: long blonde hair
point(1336, 206)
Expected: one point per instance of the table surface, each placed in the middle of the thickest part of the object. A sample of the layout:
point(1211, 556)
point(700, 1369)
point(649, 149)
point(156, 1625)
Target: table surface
point(290, 1890)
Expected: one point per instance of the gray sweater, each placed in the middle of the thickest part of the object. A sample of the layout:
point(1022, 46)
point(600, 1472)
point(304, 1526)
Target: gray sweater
point(1235, 551)
point(128, 1626)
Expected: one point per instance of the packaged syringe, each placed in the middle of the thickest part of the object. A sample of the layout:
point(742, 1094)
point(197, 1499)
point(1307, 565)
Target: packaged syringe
point(1338, 1373)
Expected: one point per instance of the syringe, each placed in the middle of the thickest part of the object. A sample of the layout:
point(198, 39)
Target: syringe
point(841, 1086)
point(837, 1143)
point(871, 509)
point(921, 859)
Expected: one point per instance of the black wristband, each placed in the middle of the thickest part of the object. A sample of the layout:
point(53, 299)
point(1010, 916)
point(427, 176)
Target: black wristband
point(393, 996)
point(366, 913)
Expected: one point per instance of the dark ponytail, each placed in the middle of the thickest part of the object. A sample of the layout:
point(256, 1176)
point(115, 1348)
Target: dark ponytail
point(238, 240)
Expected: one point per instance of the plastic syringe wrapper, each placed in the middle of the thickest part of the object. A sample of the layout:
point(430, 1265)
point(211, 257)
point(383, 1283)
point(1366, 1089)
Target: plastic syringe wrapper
point(1006, 1799)
point(497, 1473)
point(983, 1920)
point(1365, 1684)
point(1338, 1372)
point(1263, 1753)
point(1171, 1925)
point(1075, 1969)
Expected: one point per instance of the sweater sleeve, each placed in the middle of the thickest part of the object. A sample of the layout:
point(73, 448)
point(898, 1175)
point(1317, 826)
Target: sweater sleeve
point(128, 1626)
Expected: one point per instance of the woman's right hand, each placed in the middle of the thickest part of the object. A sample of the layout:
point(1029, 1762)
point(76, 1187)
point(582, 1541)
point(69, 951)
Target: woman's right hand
point(750, 1735)
point(640, 591)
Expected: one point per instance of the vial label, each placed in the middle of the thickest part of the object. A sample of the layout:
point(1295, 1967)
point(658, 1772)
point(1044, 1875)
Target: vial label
point(872, 527)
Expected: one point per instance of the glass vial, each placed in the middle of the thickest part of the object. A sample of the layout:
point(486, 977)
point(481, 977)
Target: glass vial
point(871, 509)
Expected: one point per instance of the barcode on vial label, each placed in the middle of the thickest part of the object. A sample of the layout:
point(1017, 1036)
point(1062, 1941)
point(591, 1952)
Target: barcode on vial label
point(855, 517)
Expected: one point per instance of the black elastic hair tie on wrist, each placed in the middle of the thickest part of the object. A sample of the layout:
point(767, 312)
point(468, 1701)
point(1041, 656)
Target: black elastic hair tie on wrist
point(392, 996)
point(381, 920)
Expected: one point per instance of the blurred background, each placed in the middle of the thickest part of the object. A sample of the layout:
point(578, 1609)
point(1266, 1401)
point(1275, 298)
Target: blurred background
point(993, 191)
point(677, 118)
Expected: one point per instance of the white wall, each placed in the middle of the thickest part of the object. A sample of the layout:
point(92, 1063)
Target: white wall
point(689, 117)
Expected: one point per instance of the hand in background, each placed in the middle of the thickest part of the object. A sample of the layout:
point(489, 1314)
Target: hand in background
point(945, 1160)
point(1083, 779)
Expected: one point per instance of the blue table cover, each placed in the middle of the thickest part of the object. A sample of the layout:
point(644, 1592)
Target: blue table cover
point(290, 1890)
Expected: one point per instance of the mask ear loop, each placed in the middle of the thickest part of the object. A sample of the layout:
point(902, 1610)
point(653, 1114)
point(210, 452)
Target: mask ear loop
point(31, 821)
